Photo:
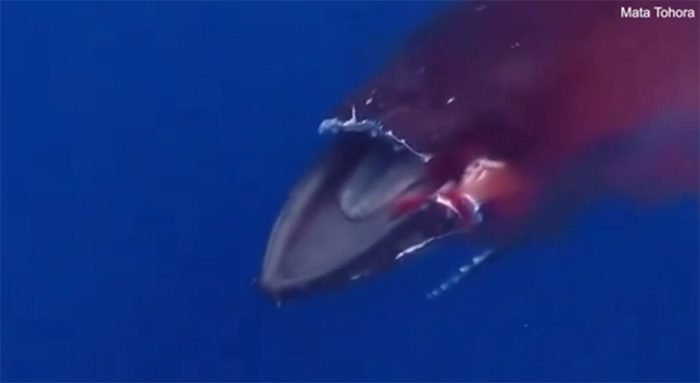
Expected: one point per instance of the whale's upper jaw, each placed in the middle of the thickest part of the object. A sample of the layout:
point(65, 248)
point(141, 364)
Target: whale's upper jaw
point(339, 225)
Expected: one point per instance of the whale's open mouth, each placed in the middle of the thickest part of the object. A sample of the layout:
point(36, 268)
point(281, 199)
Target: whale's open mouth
point(341, 222)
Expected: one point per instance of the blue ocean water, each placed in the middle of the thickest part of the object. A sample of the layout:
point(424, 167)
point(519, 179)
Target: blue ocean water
point(146, 150)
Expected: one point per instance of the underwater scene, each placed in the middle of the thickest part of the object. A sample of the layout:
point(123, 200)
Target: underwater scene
point(350, 191)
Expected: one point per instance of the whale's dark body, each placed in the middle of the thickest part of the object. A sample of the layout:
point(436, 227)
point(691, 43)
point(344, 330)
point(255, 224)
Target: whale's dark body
point(573, 98)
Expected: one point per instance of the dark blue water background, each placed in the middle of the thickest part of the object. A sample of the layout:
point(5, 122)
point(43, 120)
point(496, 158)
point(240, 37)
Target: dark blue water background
point(146, 150)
